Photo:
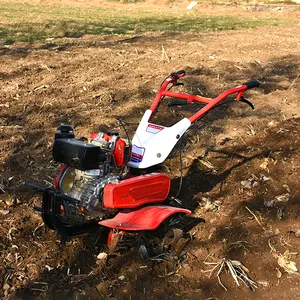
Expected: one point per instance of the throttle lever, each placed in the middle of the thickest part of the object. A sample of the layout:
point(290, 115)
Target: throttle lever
point(242, 99)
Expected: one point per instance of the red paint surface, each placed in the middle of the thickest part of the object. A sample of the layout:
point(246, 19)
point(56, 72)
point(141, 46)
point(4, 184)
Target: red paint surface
point(145, 218)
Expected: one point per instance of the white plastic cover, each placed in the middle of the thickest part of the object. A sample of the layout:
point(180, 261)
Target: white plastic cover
point(152, 143)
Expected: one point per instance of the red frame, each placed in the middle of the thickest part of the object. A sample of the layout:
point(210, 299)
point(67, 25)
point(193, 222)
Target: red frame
point(210, 102)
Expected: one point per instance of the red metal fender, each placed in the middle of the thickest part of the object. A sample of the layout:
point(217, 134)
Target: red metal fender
point(145, 218)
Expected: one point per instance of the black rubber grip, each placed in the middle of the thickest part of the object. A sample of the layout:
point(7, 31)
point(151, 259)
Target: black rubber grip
point(252, 84)
point(181, 72)
point(178, 74)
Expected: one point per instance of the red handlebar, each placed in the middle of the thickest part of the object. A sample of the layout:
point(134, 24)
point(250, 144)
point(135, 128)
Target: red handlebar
point(213, 102)
point(210, 103)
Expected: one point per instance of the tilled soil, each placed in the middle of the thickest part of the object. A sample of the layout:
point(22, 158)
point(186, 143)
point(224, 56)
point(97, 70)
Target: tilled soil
point(240, 166)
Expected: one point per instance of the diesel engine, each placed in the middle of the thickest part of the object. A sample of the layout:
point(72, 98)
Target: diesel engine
point(88, 165)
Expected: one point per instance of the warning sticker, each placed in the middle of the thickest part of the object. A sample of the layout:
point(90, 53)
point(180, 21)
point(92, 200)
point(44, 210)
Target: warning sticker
point(137, 154)
point(153, 128)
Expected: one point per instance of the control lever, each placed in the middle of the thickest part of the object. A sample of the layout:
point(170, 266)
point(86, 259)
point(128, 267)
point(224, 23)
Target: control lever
point(242, 99)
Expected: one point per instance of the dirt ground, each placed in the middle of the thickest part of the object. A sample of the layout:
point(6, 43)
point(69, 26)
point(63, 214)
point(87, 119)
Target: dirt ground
point(241, 166)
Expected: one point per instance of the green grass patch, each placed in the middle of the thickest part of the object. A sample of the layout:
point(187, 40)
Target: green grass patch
point(35, 23)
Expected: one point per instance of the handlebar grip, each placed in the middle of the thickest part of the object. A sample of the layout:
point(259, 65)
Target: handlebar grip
point(252, 84)
point(178, 74)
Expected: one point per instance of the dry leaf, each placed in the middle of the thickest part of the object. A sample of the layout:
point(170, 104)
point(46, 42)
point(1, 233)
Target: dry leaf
point(207, 164)
point(278, 200)
point(288, 265)
point(287, 188)
point(265, 164)
point(282, 198)
point(291, 265)
point(7, 199)
point(251, 130)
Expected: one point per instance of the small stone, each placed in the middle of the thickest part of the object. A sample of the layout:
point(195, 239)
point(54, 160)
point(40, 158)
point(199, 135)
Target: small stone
point(143, 252)
point(102, 256)
point(4, 212)
point(263, 283)
point(247, 184)
point(6, 286)
point(269, 203)
point(49, 268)
point(297, 233)
point(272, 123)
point(278, 274)
point(122, 277)
point(102, 287)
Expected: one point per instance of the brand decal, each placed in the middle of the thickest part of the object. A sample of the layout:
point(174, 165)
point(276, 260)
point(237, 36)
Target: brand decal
point(137, 154)
point(153, 128)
